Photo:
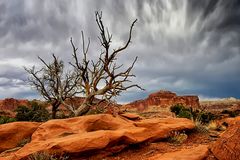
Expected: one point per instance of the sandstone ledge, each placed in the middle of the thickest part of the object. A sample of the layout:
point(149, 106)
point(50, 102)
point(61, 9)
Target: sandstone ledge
point(96, 132)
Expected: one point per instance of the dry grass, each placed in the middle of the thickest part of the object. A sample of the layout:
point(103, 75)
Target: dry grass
point(46, 156)
point(177, 137)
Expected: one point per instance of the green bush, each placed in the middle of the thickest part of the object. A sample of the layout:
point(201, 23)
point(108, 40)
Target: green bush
point(23, 113)
point(206, 117)
point(176, 108)
point(185, 114)
point(181, 111)
point(5, 119)
point(190, 113)
point(225, 111)
point(231, 113)
point(36, 112)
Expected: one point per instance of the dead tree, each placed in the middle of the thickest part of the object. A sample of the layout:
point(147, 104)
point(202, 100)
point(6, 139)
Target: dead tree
point(52, 83)
point(102, 78)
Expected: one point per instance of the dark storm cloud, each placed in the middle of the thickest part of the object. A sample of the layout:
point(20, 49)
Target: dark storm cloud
point(188, 46)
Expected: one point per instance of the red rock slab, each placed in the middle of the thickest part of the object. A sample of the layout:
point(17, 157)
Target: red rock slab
point(231, 121)
point(97, 132)
point(131, 116)
point(228, 147)
point(12, 133)
point(196, 153)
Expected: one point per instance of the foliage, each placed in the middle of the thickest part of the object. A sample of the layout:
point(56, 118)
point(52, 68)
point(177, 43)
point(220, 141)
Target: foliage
point(231, 113)
point(177, 137)
point(6, 119)
point(47, 156)
point(213, 125)
point(200, 127)
point(185, 114)
point(36, 112)
point(206, 117)
point(176, 108)
point(194, 114)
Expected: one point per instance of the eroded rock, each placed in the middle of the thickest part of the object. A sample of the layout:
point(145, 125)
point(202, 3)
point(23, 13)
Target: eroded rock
point(163, 99)
point(97, 132)
point(228, 147)
point(11, 134)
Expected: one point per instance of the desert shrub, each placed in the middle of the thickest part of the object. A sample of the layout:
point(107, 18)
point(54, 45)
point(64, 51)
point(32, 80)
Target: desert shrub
point(62, 115)
point(200, 127)
point(177, 137)
point(194, 114)
point(47, 156)
point(231, 113)
point(181, 111)
point(36, 112)
point(206, 117)
point(213, 125)
point(176, 108)
point(225, 111)
point(6, 119)
point(185, 114)
point(23, 113)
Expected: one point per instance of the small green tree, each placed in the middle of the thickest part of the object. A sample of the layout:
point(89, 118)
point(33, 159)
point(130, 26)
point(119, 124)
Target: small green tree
point(23, 113)
point(36, 113)
point(6, 119)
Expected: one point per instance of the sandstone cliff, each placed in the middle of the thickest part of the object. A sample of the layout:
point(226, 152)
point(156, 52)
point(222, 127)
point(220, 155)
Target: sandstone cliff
point(11, 104)
point(163, 99)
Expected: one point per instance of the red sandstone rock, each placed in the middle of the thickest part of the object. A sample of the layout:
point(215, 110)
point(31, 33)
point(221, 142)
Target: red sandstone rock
point(228, 147)
point(12, 133)
point(197, 153)
point(11, 103)
point(131, 116)
point(97, 132)
point(231, 121)
point(164, 99)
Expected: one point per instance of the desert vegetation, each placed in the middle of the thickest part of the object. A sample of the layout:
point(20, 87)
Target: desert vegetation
point(36, 112)
point(200, 115)
point(73, 121)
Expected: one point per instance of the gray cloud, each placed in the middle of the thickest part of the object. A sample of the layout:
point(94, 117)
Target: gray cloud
point(191, 47)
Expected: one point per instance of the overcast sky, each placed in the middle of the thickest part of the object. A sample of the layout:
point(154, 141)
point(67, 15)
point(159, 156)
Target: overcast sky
point(186, 46)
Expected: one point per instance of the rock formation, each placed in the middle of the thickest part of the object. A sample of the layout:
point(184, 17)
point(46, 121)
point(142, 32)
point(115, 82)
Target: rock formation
point(163, 99)
point(12, 133)
point(221, 104)
point(228, 147)
point(11, 104)
point(85, 134)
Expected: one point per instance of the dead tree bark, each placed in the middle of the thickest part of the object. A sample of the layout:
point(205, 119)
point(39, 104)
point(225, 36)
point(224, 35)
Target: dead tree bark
point(52, 83)
point(102, 77)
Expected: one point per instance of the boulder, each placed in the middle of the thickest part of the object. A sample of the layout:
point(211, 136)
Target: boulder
point(197, 153)
point(85, 134)
point(228, 147)
point(11, 134)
